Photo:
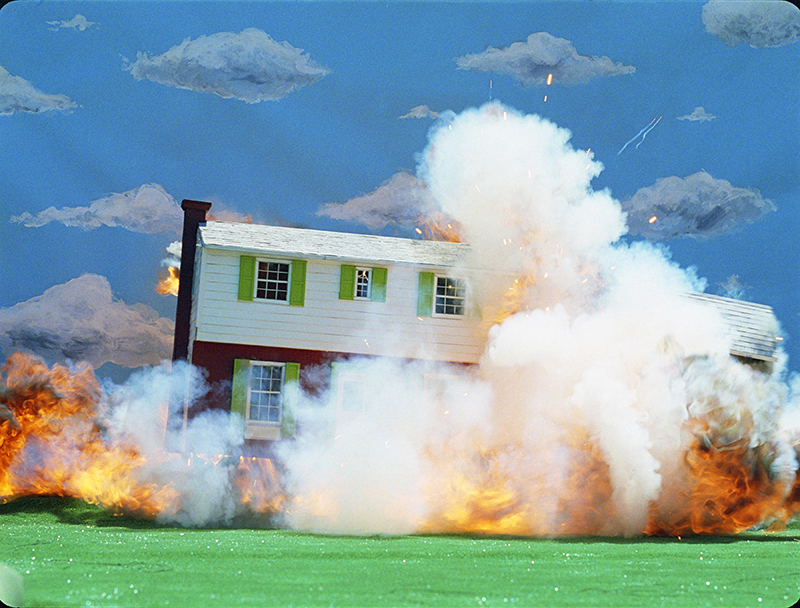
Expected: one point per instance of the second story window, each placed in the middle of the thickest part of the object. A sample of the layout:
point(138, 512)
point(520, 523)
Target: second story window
point(267, 280)
point(450, 296)
point(272, 281)
point(363, 283)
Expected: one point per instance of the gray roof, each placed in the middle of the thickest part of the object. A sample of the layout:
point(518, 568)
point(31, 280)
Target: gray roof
point(752, 327)
point(321, 244)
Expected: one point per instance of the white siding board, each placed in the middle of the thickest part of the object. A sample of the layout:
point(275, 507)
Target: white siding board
point(327, 323)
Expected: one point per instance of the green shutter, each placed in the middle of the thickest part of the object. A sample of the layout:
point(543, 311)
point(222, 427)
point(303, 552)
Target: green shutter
point(247, 277)
point(297, 292)
point(425, 295)
point(378, 293)
point(291, 388)
point(239, 388)
point(347, 283)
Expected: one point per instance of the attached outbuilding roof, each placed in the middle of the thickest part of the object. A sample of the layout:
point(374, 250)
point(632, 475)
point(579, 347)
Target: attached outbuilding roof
point(752, 327)
point(321, 244)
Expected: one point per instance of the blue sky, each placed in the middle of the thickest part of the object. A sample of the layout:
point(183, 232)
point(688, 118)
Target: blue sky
point(304, 112)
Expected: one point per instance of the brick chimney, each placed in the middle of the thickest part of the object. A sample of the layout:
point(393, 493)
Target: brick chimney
point(194, 214)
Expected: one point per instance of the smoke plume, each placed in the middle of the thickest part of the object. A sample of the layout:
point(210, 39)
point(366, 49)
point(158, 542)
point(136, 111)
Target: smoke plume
point(603, 397)
point(605, 401)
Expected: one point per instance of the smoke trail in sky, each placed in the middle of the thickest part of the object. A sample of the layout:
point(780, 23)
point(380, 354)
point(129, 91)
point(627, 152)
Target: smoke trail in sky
point(643, 133)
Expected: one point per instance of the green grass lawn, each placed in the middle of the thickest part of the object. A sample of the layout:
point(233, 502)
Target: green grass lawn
point(73, 554)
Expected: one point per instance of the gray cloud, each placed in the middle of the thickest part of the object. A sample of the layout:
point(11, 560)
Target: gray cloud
point(400, 200)
point(531, 62)
point(699, 113)
point(697, 206)
point(82, 321)
point(148, 208)
point(249, 66)
point(420, 112)
point(759, 23)
point(78, 22)
point(19, 95)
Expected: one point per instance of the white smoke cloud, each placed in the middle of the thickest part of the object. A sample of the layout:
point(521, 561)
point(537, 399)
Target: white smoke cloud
point(82, 321)
point(149, 209)
point(699, 113)
point(78, 22)
point(531, 62)
point(398, 201)
point(420, 112)
point(697, 206)
point(136, 415)
point(759, 23)
point(250, 66)
point(19, 95)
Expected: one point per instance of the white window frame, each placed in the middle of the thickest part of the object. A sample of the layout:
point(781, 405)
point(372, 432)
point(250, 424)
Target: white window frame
point(448, 298)
point(256, 280)
point(264, 429)
point(360, 272)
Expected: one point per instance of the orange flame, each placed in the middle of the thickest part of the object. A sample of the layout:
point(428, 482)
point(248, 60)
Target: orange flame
point(438, 227)
point(52, 442)
point(168, 283)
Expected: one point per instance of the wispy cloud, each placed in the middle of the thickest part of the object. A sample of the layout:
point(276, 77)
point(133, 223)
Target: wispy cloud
point(19, 95)
point(759, 23)
point(532, 61)
point(249, 66)
point(148, 208)
point(420, 112)
point(78, 22)
point(82, 321)
point(697, 206)
point(699, 113)
point(398, 201)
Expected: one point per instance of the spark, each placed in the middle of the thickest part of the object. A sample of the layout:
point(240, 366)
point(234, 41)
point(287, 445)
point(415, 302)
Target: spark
point(545, 97)
point(549, 79)
point(643, 133)
point(652, 220)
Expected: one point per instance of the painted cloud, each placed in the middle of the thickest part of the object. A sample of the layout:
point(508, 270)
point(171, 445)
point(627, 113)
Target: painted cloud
point(19, 95)
point(699, 113)
point(78, 22)
point(82, 321)
point(697, 206)
point(149, 209)
point(400, 200)
point(760, 23)
point(249, 66)
point(420, 112)
point(531, 62)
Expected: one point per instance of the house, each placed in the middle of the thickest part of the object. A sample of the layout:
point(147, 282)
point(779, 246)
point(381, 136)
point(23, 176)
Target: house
point(257, 304)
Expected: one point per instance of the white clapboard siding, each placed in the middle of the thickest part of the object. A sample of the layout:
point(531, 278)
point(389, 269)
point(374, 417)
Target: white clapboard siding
point(327, 323)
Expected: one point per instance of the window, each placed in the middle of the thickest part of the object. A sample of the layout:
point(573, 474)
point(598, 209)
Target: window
point(264, 399)
point(450, 296)
point(361, 283)
point(261, 394)
point(441, 295)
point(272, 281)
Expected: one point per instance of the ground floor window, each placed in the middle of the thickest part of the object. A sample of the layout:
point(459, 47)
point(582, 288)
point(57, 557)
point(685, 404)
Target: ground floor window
point(261, 396)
